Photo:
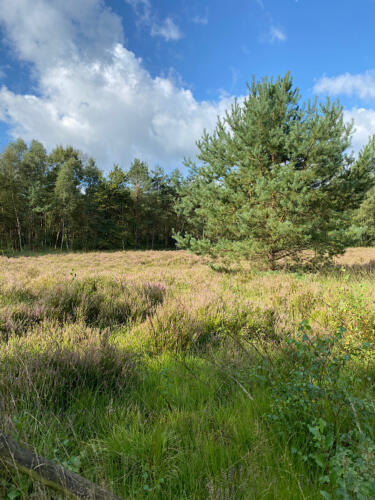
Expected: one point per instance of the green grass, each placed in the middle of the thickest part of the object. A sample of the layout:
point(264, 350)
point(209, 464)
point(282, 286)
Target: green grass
point(171, 435)
point(171, 380)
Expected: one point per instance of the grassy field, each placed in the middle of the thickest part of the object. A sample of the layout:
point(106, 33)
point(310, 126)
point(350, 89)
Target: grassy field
point(159, 377)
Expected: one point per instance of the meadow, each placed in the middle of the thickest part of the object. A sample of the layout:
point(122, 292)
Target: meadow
point(159, 376)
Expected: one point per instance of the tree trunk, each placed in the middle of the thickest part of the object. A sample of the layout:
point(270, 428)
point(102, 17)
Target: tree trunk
point(19, 233)
point(57, 238)
point(18, 223)
point(62, 235)
point(45, 229)
point(50, 473)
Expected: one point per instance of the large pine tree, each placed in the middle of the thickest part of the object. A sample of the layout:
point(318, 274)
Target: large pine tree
point(274, 178)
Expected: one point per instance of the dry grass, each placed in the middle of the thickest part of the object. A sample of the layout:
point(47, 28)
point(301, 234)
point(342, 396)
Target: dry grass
point(128, 335)
point(194, 292)
point(357, 256)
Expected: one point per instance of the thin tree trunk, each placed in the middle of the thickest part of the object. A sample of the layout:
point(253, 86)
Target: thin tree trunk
point(18, 223)
point(62, 235)
point(19, 233)
point(57, 238)
point(45, 229)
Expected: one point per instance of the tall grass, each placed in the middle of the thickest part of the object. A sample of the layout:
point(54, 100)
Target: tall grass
point(159, 377)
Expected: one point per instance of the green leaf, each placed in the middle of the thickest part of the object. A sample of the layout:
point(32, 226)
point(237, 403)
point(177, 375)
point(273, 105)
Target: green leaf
point(325, 495)
point(13, 494)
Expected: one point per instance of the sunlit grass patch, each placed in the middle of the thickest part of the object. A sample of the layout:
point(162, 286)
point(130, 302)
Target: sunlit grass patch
point(93, 301)
point(51, 365)
point(159, 377)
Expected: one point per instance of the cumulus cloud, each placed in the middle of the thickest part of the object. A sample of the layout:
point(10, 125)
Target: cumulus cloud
point(46, 33)
point(364, 125)
point(361, 85)
point(92, 92)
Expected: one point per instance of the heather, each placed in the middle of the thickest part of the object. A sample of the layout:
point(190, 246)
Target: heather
point(158, 375)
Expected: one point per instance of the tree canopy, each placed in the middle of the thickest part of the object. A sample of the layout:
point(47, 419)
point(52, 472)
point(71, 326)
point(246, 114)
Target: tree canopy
point(275, 178)
point(63, 200)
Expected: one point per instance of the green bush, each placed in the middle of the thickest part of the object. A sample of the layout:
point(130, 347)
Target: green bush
point(315, 407)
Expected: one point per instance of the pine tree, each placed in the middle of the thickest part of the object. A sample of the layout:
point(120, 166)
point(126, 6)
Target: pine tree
point(275, 179)
point(113, 203)
point(364, 217)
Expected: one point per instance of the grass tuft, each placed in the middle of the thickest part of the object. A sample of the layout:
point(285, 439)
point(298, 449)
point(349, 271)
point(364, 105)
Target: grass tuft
point(159, 377)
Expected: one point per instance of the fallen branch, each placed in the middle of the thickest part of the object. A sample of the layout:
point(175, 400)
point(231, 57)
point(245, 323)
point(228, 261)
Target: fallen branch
point(50, 473)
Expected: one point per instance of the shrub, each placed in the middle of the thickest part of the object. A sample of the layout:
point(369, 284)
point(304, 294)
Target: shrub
point(184, 327)
point(95, 302)
point(314, 397)
point(50, 368)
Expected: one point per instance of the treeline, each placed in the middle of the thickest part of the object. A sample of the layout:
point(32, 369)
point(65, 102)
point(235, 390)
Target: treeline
point(62, 200)
point(274, 181)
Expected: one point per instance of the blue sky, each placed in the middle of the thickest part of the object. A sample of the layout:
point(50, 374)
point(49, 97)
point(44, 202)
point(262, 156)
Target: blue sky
point(125, 78)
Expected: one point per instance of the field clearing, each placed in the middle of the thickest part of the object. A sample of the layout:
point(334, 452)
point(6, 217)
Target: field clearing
point(146, 372)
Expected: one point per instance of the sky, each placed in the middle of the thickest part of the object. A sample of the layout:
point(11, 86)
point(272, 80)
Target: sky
point(120, 79)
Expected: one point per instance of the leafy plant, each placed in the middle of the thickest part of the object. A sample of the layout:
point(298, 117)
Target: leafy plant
point(314, 405)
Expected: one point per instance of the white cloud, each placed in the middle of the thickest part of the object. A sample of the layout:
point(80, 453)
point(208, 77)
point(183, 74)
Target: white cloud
point(364, 125)
point(361, 85)
point(47, 32)
point(142, 8)
point(276, 35)
point(200, 20)
point(93, 93)
point(167, 29)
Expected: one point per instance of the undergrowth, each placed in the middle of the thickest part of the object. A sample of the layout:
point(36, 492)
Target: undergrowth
point(187, 383)
point(95, 302)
